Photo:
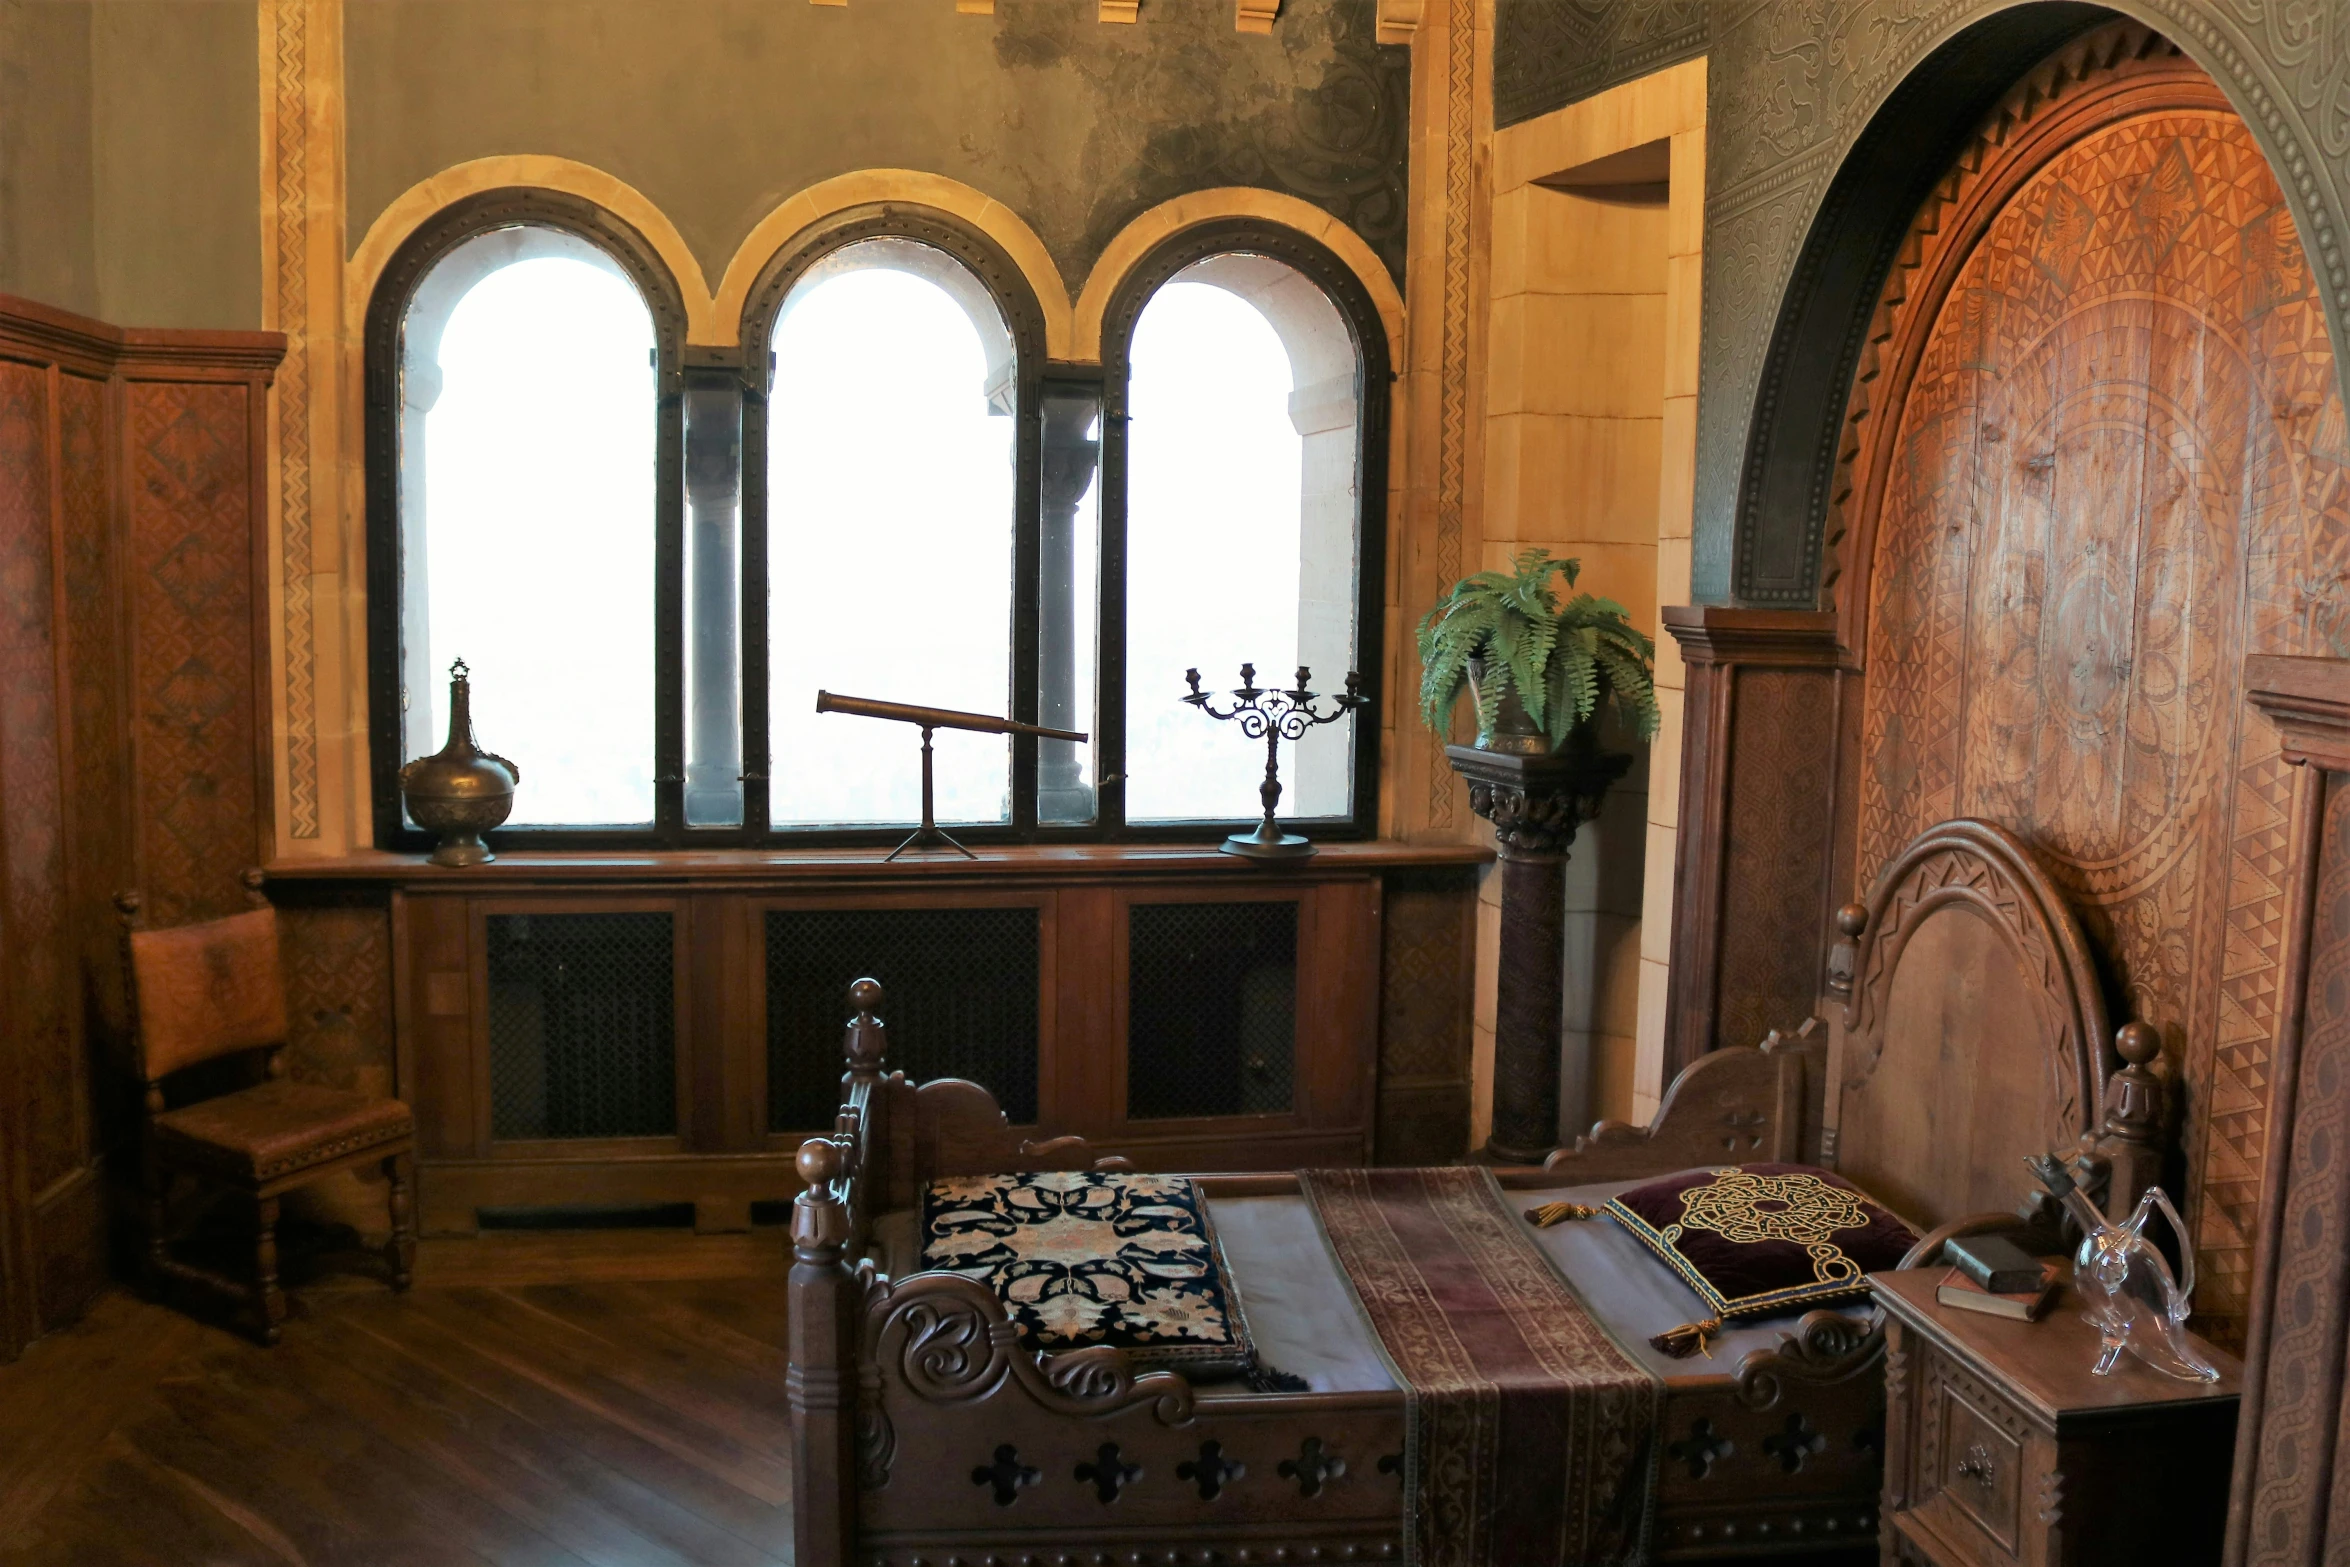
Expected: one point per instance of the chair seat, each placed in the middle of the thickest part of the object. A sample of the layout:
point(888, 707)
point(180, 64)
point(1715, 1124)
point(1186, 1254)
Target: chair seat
point(274, 1129)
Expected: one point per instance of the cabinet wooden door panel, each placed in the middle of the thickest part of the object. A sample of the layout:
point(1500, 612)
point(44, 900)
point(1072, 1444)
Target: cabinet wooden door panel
point(725, 1148)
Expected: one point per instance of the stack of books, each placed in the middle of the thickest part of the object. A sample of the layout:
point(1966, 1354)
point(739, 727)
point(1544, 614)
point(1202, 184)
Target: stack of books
point(1993, 1275)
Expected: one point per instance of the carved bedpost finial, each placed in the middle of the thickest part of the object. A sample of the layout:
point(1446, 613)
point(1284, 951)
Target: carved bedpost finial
point(818, 1223)
point(1850, 921)
point(867, 1041)
point(2133, 1095)
point(2129, 1135)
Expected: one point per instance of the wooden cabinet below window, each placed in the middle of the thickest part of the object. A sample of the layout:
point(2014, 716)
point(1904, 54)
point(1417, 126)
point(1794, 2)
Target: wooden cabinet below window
point(609, 1032)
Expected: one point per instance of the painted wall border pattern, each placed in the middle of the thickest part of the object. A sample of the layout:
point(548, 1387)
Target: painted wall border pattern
point(286, 42)
point(1452, 433)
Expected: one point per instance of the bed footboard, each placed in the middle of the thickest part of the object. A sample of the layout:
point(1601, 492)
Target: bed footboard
point(924, 1432)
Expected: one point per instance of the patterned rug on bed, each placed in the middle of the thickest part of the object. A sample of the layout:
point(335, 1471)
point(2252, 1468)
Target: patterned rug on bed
point(1531, 1433)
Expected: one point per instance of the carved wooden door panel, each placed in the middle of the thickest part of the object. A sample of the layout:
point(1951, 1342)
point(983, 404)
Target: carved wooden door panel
point(2107, 465)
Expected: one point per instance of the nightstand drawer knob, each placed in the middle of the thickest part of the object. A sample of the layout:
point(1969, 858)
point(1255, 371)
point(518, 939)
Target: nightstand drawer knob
point(1979, 1466)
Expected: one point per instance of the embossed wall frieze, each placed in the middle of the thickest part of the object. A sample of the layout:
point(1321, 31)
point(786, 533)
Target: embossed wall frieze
point(1550, 53)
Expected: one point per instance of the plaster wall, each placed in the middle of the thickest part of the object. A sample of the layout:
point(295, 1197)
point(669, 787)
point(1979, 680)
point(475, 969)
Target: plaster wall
point(726, 107)
point(175, 204)
point(127, 136)
point(45, 232)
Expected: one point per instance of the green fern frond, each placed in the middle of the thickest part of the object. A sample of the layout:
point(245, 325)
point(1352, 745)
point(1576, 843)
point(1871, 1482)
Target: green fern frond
point(1559, 658)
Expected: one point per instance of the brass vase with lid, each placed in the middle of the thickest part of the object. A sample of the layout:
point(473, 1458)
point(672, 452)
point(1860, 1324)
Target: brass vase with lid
point(460, 791)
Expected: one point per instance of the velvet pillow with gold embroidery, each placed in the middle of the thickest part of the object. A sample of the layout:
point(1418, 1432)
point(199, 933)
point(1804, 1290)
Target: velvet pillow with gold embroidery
point(1090, 1257)
point(1758, 1238)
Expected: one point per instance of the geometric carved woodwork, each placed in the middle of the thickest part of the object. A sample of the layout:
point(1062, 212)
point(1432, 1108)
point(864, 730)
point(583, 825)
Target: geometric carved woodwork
point(1427, 969)
point(2291, 1462)
point(2099, 460)
point(131, 508)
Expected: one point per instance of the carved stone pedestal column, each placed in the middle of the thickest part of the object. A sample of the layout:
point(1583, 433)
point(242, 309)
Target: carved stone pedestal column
point(1536, 804)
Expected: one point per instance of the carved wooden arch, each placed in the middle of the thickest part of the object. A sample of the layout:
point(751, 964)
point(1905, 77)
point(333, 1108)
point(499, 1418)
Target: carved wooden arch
point(1882, 1084)
point(2093, 462)
point(2113, 71)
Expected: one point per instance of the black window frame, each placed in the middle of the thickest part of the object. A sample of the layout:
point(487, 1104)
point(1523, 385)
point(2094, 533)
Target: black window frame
point(387, 314)
point(743, 375)
point(1374, 375)
point(1023, 318)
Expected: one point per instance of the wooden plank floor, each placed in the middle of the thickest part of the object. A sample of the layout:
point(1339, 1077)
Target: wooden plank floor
point(607, 1399)
point(600, 1400)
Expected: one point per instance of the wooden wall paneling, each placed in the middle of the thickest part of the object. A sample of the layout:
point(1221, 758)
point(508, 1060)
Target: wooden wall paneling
point(1427, 970)
point(338, 966)
point(1074, 1090)
point(1754, 863)
point(97, 741)
point(72, 530)
point(722, 1046)
point(35, 957)
point(2098, 463)
point(32, 1020)
point(438, 979)
point(2287, 1460)
point(198, 602)
point(1338, 1005)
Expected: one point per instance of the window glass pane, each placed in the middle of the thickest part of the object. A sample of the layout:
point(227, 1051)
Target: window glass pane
point(527, 519)
point(889, 517)
point(1241, 521)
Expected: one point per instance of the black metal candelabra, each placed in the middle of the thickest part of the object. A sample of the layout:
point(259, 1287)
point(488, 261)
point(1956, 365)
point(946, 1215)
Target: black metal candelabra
point(1274, 716)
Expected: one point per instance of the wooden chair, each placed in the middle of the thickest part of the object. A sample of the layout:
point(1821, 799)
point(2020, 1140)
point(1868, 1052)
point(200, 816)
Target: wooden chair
point(210, 990)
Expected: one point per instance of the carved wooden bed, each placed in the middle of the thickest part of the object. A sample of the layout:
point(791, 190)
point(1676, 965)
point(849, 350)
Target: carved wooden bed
point(1966, 1029)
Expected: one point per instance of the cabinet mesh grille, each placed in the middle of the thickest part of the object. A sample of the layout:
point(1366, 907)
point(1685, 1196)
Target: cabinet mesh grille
point(583, 1026)
point(962, 989)
point(1211, 1008)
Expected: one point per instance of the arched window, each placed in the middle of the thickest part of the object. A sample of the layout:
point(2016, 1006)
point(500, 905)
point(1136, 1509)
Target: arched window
point(891, 526)
point(1249, 502)
point(517, 484)
point(653, 558)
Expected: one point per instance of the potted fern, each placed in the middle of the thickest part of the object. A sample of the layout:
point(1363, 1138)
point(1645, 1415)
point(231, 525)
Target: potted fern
point(1536, 669)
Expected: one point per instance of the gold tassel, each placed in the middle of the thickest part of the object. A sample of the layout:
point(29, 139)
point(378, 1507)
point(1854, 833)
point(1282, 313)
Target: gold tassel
point(1551, 1213)
point(1688, 1339)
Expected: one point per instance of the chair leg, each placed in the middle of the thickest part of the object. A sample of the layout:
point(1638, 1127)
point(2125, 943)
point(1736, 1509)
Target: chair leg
point(400, 1251)
point(268, 1297)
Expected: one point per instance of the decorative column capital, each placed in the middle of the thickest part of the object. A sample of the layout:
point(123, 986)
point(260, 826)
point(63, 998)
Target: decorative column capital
point(1538, 803)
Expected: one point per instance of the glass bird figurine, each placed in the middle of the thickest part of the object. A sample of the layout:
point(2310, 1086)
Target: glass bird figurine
point(2127, 1292)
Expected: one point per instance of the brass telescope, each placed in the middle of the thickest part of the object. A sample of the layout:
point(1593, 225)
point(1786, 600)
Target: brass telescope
point(930, 718)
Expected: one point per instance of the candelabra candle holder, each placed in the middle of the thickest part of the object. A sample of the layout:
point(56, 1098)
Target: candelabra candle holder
point(1274, 716)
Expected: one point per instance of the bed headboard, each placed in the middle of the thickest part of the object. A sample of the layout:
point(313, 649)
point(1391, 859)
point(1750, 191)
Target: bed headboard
point(1975, 1033)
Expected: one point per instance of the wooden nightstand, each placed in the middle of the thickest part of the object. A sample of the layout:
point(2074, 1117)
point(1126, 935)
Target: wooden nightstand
point(2001, 1446)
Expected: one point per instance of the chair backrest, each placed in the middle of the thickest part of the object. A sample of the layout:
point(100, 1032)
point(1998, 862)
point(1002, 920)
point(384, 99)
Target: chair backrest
point(207, 990)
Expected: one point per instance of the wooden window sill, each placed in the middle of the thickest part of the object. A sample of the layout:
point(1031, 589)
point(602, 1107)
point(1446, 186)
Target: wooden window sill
point(1054, 862)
